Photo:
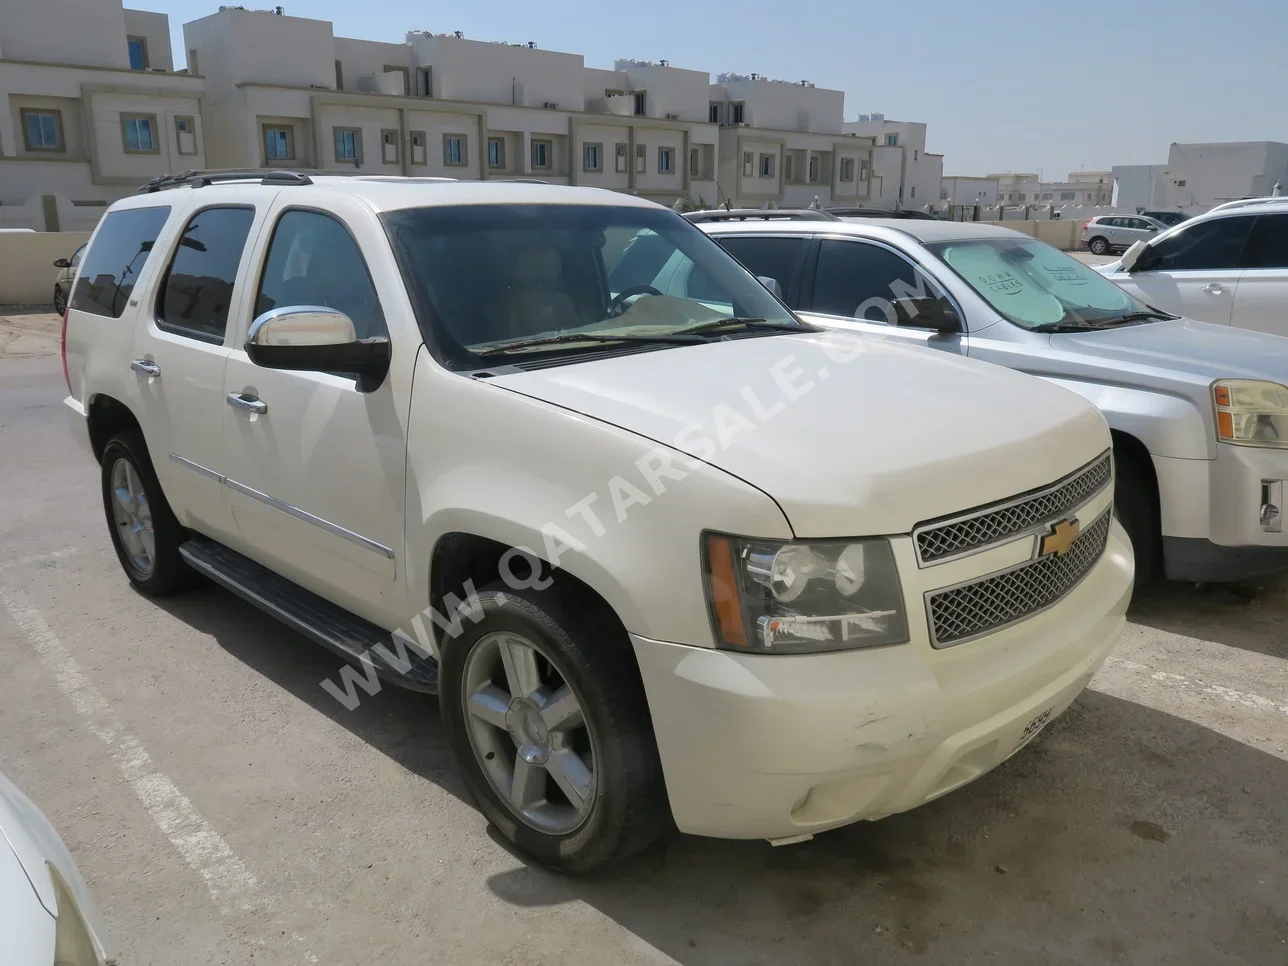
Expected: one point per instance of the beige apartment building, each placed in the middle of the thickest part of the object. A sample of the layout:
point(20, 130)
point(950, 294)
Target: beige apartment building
point(92, 108)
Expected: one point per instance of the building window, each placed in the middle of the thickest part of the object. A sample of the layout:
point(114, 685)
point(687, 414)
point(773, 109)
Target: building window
point(695, 162)
point(348, 145)
point(139, 133)
point(737, 111)
point(641, 103)
point(406, 75)
point(914, 154)
point(541, 155)
point(863, 169)
point(789, 167)
point(943, 194)
point(42, 130)
point(425, 81)
point(766, 165)
point(748, 164)
point(714, 114)
point(185, 134)
point(138, 52)
point(620, 161)
point(666, 160)
point(1066, 195)
point(192, 61)
point(641, 158)
point(892, 140)
point(389, 145)
point(418, 142)
point(339, 76)
point(592, 157)
point(496, 152)
point(912, 192)
point(847, 169)
point(454, 150)
point(279, 143)
point(813, 167)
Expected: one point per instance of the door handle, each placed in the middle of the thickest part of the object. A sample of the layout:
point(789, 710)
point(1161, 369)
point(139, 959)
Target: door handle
point(252, 404)
point(143, 367)
point(1214, 288)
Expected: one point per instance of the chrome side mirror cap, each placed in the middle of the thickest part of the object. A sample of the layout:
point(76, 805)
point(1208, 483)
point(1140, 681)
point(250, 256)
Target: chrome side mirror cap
point(301, 325)
point(315, 338)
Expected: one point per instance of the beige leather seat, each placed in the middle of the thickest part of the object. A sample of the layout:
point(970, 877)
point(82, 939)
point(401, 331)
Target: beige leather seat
point(533, 298)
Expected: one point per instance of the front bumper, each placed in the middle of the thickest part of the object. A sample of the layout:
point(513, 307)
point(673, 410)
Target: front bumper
point(757, 746)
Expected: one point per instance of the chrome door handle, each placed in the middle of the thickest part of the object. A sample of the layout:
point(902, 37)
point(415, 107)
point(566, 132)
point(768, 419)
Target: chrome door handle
point(143, 367)
point(239, 400)
point(1214, 288)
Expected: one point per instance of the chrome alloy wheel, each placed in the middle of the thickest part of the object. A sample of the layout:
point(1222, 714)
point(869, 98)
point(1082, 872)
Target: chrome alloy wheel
point(133, 517)
point(529, 734)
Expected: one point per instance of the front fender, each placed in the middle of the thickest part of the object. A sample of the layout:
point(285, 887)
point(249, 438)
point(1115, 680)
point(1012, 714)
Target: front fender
point(1169, 425)
point(577, 492)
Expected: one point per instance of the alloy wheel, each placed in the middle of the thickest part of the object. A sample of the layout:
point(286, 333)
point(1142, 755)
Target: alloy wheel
point(133, 517)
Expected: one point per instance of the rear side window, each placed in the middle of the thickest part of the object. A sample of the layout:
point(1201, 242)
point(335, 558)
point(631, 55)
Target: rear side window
point(1268, 246)
point(115, 260)
point(313, 260)
point(1208, 245)
point(768, 257)
point(198, 286)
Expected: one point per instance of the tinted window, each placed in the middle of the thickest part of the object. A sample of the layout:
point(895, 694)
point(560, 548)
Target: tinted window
point(115, 260)
point(856, 280)
point(1268, 247)
point(770, 257)
point(198, 285)
point(313, 260)
point(1212, 244)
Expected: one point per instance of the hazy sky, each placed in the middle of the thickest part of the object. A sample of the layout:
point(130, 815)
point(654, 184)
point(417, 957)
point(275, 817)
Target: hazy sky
point(1003, 85)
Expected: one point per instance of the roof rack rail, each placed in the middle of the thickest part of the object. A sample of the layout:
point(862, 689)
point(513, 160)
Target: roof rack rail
point(1245, 202)
point(760, 214)
point(201, 179)
point(520, 180)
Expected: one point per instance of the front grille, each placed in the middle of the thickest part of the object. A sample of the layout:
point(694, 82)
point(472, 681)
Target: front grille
point(943, 540)
point(959, 613)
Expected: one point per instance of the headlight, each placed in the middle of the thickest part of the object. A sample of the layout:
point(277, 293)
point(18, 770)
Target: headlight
point(73, 945)
point(1251, 413)
point(803, 596)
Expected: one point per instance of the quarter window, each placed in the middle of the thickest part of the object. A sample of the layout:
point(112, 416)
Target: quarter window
point(313, 260)
point(1207, 245)
point(115, 259)
point(198, 286)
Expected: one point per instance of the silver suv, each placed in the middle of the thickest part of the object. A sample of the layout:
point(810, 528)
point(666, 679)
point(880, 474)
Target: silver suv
point(1106, 233)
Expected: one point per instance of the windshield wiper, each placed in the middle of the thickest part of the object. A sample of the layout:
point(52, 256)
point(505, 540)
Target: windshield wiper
point(500, 350)
point(1140, 317)
point(1062, 327)
point(748, 324)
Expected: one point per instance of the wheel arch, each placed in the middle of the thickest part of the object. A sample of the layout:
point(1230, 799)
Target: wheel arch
point(108, 417)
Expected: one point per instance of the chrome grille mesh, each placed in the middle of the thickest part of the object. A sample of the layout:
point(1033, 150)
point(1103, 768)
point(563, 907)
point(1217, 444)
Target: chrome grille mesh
point(963, 612)
point(937, 542)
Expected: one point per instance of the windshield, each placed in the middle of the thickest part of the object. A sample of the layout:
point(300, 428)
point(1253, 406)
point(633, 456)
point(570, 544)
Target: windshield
point(521, 280)
point(1037, 286)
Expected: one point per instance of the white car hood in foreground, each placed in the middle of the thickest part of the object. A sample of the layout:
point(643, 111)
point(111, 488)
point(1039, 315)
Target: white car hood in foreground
point(873, 445)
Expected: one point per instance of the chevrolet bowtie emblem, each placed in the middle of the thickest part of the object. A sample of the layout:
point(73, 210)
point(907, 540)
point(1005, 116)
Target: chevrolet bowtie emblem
point(1060, 539)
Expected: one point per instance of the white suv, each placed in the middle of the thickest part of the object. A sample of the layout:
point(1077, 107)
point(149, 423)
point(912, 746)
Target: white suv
point(662, 549)
point(1229, 267)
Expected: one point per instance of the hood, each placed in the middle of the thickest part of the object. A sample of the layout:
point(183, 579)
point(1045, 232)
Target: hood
point(35, 843)
point(1194, 352)
point(851, 436)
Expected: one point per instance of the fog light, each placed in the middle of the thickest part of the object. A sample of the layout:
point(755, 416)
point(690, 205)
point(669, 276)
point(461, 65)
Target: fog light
point(1271, 517)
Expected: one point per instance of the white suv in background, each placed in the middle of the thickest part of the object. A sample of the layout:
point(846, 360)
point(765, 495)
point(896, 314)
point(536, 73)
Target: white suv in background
point(1229, 267)
point(661, 548)
point(1106, 233)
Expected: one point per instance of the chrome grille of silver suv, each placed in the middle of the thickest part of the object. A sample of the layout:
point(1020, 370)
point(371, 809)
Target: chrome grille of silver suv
point(941, 540)
point(957, 614)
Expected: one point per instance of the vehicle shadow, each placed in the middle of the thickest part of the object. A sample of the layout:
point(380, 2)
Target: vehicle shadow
point(402, 724)
point(1250, 616)
point(1122, 835)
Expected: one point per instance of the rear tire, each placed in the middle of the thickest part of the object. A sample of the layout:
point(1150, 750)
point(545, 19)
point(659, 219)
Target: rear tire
point(518, 747)
point(144, 530)
point(1136, 506)
point(1098, 246)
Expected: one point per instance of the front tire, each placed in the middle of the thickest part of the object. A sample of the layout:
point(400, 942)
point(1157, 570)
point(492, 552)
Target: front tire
point(60, 300)
point(1098, 246)
point(544, 709)
point(144, 530)
point(1136, 506)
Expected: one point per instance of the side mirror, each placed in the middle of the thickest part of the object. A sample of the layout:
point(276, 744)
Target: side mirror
point(1131, 257)
point(315, 338)
point(62, 263)
point(927, 313)
point(771, 284)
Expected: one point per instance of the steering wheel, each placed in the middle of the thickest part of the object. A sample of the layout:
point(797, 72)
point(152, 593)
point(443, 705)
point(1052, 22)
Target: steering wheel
point(615, 306)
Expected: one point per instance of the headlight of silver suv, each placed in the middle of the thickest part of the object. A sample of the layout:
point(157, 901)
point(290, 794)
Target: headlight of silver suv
point(1251, 413)
point(803, 596)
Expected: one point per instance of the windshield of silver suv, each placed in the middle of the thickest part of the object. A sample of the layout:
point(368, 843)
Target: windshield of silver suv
point(1039, 287)
point(509, 282)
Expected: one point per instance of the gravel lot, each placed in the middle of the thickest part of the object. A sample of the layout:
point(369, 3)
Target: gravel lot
point(225, 809)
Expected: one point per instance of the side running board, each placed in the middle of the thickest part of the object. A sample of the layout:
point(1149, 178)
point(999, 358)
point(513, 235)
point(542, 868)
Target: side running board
point(330, 625)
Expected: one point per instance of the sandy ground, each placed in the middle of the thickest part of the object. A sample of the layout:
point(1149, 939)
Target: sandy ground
point(26, 333)
point(225, 810)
